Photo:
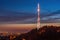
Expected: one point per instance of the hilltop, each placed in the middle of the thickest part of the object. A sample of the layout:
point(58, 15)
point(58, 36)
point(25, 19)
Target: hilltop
point(44, 33)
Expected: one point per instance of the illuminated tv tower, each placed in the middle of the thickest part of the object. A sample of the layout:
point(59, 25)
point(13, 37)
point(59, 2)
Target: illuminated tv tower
point(38, 20)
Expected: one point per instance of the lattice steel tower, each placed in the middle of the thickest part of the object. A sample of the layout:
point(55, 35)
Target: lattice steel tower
point(38, 18)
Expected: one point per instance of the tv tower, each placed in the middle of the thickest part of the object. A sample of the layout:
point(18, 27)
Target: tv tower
point(38, 20)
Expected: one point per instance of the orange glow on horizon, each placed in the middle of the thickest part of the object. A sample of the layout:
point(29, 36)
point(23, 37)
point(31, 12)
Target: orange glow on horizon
point(17, 27)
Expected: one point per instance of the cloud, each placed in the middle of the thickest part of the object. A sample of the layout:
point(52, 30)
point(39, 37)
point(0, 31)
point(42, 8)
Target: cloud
point(16, 17)
point(24, 17)
point(51, 17)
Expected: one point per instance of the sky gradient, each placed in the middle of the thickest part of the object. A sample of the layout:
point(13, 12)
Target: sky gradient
point(25, 11)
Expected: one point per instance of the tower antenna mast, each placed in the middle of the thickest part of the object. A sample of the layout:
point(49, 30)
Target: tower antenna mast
point(38, 18)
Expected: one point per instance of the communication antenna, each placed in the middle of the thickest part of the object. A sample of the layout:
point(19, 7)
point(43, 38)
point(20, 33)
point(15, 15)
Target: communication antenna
point(38, 18)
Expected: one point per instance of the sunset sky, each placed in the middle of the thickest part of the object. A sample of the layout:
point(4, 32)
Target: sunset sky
point(25, 11)
point(21, 15)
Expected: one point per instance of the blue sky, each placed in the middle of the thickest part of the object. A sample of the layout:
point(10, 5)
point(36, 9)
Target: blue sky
point(25, 11)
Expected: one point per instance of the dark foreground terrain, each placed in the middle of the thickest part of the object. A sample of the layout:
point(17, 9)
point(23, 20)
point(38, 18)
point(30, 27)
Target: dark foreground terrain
point(44, 33)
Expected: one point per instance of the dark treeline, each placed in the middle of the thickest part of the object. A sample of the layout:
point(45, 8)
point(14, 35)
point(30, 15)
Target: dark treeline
point(44, 33)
